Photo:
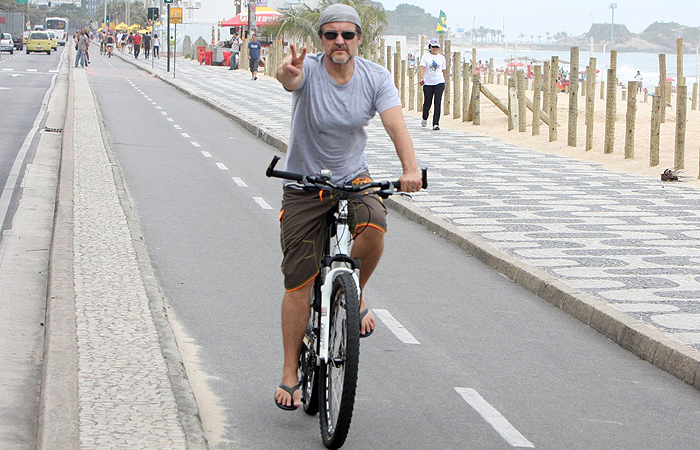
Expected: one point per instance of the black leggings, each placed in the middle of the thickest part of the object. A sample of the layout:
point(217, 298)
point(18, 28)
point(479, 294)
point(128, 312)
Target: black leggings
point(428, 93)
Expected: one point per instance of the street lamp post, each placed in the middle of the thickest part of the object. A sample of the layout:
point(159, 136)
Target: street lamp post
point(612, 7)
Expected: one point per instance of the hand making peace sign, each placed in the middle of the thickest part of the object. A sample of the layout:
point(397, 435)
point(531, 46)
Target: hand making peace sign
point(293, 64)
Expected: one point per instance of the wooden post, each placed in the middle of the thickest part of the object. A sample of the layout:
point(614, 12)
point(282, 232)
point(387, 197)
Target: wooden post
point(490, 70)
point(553, 94)
point(411, 89)
point(456, 63)
point(403, 83)
point(388, 58)
point(681, 113)
point(610, 110)
point(476, 95)
point(590, 103)
point(466, 99)
point(512, 104)
point(474, 70)
point(382, 58)
point(419, 103)
point(624, 95)
point(546, 72)
point(446, 99)
point(656, 107)
point(694, 103)
point(584, 85)
point(602, 90)
point(522, 108)
point(498, 79)
point(397, 65)
point(646, 95)
point(573, 98)
point(680, 81)
point(442, 42)
point(631, 119)
point(495, 100)
point(536, 96)
point(662, 85)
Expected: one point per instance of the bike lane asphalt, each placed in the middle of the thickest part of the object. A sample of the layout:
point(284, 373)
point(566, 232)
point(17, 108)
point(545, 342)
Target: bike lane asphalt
point(616, 251)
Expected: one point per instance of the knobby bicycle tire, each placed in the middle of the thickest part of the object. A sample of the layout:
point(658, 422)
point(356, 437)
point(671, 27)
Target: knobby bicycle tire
point(338, 377)
point(308, 370)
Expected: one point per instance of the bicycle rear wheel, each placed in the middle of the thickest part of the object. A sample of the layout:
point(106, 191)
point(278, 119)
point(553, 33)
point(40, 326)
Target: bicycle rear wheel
point(338, 377)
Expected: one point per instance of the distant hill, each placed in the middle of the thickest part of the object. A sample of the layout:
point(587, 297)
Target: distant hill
point(658, 36)
point(411, 21)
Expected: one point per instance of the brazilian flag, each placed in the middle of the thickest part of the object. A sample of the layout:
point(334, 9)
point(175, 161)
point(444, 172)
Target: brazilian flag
point(442, 23)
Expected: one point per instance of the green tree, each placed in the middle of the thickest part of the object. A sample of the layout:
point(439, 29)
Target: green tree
point(297, 23)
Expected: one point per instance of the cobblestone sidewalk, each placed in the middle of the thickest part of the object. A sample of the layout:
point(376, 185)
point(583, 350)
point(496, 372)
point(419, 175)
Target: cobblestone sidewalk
point(632, 242)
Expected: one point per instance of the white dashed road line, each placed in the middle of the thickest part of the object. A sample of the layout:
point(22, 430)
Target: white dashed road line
point(164, 113)
point(177, 127)
point(221, 166)
point(185, 135)
point(159, 107)
point(263, 204)
point(170, 119)
point(206, 154)
point(31, 70)
point(239, 182)
point(494, 418)
point(195, 144)
point(395, 327)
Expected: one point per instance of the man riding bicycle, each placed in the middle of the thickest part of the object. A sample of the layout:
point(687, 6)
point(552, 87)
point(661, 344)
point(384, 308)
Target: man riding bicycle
point(335, 94)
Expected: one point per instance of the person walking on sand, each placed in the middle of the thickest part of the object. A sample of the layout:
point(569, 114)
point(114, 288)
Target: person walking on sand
point(432, 78)
point(639, 79)
point(254, 48)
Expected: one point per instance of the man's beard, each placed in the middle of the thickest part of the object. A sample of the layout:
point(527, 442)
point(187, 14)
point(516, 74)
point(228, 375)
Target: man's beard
point(338, 59)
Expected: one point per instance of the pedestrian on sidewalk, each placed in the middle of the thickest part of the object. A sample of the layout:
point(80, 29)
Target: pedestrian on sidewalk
point(82, 49)
point(146, 45)
point(137, 45)
point(130, 42)
point(254, 48)
point(235, 50)
point(334, 96)
point(156, 46)
point(432, 78)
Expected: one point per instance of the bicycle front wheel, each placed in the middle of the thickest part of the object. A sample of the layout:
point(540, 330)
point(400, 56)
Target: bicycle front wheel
point(308, 371)
point(338, 377)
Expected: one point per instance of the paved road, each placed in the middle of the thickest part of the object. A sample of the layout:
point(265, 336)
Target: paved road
point(209, 220)
point(24, 83)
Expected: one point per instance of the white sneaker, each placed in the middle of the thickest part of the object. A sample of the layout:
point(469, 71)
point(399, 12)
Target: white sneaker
point(435, 127)
point(424, 123)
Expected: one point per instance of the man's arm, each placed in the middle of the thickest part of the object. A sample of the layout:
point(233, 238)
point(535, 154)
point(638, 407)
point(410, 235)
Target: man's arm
point(291, 72)
point(395, 126)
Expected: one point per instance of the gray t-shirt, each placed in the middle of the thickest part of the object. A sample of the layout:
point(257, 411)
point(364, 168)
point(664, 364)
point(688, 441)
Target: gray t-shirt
point(328, 120)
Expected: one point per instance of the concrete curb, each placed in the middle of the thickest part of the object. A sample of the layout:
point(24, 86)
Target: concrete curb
point(637, 337)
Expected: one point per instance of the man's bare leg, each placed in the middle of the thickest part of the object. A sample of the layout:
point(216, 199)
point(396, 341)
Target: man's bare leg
point(368, 246)
point(295, 316)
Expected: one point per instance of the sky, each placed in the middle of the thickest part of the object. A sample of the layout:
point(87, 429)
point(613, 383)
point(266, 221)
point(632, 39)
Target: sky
point(533, 17)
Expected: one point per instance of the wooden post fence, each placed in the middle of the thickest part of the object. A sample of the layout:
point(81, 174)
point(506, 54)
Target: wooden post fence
point(397, 65)
point(522, 108)
point(573, 98)
point(388, 58)
point(403, 83)
point(419, 102)
point(476, 96)
point(512, 104)
point(631, 119)
point(681, 113)
point(411, 89)
point(466, 100)
point(456, 64)
point(446, 99)
point(656, 108)
point(382, 58)
point(490, 70)
point(546, 72)
point(553, 94)
point(662, 85)
point(610, 104)
point(694, 103)
point(536, 101)
point(680, 80)
point(590, 103)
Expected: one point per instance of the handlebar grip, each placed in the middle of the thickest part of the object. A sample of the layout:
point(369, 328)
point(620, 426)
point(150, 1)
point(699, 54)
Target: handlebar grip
point(271, 172)
point(424, 176)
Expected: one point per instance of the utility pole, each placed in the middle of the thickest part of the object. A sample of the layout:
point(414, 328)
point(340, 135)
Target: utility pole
point(612, 7)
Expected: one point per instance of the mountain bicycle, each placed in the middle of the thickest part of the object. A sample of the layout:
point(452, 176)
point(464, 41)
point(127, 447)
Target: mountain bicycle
point(329, 357)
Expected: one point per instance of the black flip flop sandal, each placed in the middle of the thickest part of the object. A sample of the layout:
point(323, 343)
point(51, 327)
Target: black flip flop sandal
point(362, 316)
point(291, 391)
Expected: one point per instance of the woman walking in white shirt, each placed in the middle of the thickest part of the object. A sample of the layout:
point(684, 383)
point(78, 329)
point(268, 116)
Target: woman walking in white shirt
point(432, 78)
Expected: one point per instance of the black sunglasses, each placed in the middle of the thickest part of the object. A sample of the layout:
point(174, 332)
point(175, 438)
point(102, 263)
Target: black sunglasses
point(332, 35)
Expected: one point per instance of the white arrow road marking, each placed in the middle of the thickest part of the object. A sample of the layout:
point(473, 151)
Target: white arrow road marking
point(494, 418)
point(395, 327)
point(239, 182)
point(263, 204)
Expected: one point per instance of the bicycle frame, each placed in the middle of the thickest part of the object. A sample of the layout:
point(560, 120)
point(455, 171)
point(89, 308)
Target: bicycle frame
point(337, 250)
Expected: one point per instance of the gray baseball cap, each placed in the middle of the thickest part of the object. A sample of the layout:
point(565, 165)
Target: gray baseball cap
point(434, 42)
point(339, 12)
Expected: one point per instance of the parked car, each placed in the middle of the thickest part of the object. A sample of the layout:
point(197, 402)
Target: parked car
point(6, 43)
point(39, 42)
point(54, 40)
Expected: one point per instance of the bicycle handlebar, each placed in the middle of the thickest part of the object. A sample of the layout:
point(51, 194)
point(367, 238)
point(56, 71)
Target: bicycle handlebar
point(318, 181)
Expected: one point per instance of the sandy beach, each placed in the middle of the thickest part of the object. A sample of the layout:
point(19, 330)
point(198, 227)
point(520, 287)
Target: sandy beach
point(494, 123)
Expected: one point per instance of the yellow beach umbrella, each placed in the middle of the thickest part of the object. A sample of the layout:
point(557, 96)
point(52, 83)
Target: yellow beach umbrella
point(133, 27)
point(121, 27)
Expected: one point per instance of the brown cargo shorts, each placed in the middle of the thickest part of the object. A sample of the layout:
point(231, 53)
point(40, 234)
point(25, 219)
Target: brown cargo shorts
point(303, 228)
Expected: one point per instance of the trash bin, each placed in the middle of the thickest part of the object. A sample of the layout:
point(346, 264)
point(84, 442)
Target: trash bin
point(200, 53)
point(227, 58)
point(208, 56)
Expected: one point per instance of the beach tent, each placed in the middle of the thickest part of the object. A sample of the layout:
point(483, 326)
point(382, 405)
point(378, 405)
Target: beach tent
point(133, 27)
point(121, 27)
point(264, 16)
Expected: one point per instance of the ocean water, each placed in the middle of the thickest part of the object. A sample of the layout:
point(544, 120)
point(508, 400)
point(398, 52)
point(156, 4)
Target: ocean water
point(627, 63)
